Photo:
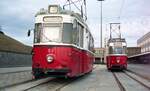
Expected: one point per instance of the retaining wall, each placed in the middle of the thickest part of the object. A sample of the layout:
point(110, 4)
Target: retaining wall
point(12, 59)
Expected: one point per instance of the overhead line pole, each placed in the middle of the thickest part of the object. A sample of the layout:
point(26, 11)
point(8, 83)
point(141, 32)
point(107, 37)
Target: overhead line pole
point(101, 31)
point(101, 25)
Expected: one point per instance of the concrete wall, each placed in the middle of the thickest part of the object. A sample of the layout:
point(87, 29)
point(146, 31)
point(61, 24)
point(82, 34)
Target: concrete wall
point(133, 51)
point(11, 59)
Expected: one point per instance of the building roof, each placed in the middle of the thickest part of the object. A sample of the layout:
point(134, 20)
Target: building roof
point(144, 37)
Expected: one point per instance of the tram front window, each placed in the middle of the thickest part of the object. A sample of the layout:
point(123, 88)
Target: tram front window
point(118, 50)
point(47, 33)
point(50, 34)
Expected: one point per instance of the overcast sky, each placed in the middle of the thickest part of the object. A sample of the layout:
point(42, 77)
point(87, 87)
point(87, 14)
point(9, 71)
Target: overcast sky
point(17, 16)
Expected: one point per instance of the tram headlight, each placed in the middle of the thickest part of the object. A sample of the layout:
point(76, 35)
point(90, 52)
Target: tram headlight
point(49, 58)
point(53, 9)
point(118, 61)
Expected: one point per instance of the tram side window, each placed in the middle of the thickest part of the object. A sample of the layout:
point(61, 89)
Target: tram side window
point(67, 32)
point(124, 49)
point(80, 28)
point(88, 40)
point(75, 35)
point(92, 44)
point(38, 28)
point(110, 50)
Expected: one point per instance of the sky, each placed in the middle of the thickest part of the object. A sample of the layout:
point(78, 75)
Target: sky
point(18, 16)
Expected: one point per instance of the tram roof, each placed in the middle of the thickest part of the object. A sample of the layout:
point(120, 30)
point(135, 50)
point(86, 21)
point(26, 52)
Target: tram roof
point(61, 11)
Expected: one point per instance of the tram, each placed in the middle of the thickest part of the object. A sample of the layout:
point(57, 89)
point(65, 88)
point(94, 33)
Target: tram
point(116, 57)
point(63, 45)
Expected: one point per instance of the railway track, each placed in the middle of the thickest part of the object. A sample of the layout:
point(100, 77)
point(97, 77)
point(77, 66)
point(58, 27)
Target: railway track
point(56, 84)
point(25, 85)
point(120, 76)
point(142, 76)
point(32, 85)
point(139, 81)
point(120, 85)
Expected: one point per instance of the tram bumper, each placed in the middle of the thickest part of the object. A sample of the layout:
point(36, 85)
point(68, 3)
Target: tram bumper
point(52, 72)
point(118, 67)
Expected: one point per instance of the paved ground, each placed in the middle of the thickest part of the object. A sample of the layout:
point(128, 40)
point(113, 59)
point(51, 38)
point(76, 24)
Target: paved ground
point(14, 69)
point(98, 80)
point(141, 69)
point(10, 76)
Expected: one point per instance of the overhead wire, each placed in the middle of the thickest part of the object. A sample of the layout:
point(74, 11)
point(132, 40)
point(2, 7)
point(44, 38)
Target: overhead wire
point(66, 4)
point(77, 7)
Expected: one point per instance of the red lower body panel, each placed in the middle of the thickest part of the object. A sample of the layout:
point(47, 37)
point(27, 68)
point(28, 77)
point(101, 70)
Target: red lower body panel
point(66, 61)
point(117, 62)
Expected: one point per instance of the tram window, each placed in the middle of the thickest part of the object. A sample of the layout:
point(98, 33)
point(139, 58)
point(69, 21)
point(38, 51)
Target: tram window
point(110, 50)
point(38, 28)
point(75, 35)
point(92, 44)
point(88, 40)
point(125, 49)
point(80, 28)
point(47, 35)
point(118, 50)
point(67, 32)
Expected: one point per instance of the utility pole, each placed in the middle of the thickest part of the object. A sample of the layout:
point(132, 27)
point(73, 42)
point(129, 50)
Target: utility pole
point(101, 27)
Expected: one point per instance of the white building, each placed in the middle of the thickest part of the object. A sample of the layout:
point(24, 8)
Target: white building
point(144, 43)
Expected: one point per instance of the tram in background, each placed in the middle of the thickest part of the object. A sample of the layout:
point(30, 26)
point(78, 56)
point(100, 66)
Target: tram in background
point(116, 57)
point(63, 45)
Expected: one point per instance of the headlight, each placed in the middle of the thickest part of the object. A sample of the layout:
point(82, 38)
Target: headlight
point(49, 58)
point(53, 9)
point(118, 61)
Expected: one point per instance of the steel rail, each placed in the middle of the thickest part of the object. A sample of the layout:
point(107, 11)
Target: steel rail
point(24, 82)
point(41, 81)
point(64, 84)
point(118, 82)
point(137, 80)
point(142, 76)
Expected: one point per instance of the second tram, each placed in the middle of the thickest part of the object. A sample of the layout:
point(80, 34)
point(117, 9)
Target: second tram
point(116, 56)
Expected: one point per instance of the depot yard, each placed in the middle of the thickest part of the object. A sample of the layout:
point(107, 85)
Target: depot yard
point(100, 79)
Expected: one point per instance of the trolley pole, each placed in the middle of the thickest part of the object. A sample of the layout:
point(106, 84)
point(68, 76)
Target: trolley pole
point(101, 27)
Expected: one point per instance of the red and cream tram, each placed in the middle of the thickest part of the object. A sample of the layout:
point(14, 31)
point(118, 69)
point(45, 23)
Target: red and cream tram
point(63, 44)
point(116, 56)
